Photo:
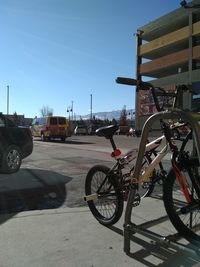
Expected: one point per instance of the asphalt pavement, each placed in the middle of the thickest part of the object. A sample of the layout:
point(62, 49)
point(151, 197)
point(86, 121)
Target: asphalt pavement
point(63, 235)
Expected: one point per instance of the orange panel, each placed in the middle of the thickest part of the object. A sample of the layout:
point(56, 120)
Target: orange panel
point(169, 60)
point(169, 39)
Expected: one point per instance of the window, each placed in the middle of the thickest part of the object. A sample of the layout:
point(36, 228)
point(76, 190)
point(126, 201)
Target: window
point(42, 121)
point(53, 121)
point(61, 121)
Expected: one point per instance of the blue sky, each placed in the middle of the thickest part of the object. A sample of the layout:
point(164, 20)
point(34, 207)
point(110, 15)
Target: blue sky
point(54, 52)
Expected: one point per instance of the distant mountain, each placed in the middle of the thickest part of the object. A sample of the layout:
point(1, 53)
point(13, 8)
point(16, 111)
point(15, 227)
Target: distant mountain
point(115, 114)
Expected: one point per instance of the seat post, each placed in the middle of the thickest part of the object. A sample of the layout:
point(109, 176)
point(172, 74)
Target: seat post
point(112, 143)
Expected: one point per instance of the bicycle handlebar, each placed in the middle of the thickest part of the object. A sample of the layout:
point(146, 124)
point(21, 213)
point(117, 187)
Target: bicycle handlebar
point(156, 91)
point(127, 81)
point(146, 85)
point(134, 82)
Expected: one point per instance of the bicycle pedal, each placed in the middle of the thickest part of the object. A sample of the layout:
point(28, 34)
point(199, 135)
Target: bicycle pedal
point(137, 200)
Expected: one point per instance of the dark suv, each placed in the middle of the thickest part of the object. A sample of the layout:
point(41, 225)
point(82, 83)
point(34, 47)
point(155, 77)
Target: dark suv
point(16, 143)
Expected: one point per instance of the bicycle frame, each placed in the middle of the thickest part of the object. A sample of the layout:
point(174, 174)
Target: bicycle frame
point(148, 171)
point(131, 155)
point(194, 120)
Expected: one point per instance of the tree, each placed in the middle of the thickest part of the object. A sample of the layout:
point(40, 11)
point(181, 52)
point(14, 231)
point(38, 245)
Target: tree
point(114, 121)
point(16, 118)
point(123, 117)
point(46, 111)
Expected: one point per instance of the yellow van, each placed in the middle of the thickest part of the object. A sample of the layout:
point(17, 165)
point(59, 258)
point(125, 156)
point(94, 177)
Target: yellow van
point(50, 127)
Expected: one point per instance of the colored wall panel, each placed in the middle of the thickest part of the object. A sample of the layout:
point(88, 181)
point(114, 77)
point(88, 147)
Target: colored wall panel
point(169, 61)
point(169, 39)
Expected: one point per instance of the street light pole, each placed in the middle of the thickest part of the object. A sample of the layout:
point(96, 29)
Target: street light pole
point(68, 110)
point(72, 111)
point(8, 96)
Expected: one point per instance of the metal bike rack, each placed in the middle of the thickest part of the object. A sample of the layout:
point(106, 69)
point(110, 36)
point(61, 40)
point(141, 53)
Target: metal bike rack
point(129, 227)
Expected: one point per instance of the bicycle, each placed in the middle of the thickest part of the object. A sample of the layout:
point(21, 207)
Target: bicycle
point(101, 180)
point(111, 191)
point(181, 188)
point(123, 173)
point(119, 172)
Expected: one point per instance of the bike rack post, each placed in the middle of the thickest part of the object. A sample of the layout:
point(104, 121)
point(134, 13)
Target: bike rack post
point(129, 227)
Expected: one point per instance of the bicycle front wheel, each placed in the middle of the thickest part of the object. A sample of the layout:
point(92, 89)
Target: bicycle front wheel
point(107, 205)
point(185, 217)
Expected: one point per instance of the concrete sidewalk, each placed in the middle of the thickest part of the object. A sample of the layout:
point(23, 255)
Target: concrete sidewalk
point(72, 237)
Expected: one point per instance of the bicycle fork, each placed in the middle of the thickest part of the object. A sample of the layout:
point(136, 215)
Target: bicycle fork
point(192, 205)
point(181, 181)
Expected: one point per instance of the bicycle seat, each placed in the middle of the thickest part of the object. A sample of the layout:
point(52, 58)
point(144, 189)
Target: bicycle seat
point(107, 131)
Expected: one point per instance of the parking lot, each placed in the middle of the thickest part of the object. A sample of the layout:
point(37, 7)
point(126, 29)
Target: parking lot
point(53, 175)
point(47, 195)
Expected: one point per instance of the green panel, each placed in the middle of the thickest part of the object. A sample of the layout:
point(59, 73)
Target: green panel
point(181, 78)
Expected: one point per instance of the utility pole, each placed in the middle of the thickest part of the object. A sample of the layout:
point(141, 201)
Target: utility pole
point(91, 107)
point(8, 99)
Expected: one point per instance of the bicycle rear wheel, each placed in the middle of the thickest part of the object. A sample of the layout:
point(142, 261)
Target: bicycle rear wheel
point(107, 205)
point(185, 217)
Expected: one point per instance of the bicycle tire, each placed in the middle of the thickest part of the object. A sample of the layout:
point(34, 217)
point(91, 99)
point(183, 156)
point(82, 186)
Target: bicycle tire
point(185, 222)
point(108, 206)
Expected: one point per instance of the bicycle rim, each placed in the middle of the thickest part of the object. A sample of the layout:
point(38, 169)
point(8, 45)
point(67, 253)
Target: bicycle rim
point(185, 217)
point(108, 206)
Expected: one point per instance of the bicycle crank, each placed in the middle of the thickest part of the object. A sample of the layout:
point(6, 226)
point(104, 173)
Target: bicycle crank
point(91, 197)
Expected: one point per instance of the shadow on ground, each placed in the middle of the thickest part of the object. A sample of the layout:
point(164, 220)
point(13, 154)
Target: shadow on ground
point(74, 141)
point(160, 254)
point(32, 189)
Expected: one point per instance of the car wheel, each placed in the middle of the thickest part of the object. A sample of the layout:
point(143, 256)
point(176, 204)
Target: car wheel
point(11, 160)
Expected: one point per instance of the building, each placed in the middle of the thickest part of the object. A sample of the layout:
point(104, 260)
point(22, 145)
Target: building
point(168, 54)
point(19, 119)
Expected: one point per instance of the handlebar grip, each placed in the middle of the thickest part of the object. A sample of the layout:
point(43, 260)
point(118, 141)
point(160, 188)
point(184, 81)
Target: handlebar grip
point(127, 81)
point(130, 81)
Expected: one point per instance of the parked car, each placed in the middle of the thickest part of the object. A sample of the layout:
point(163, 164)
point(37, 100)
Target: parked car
point(80, 130)
point(16, 143)
point(123, 130)
point(50, 127)
point(133, 132)
point(92, 129)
